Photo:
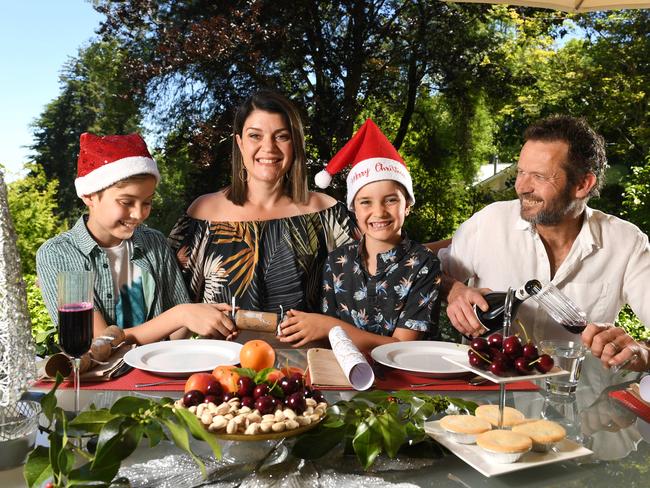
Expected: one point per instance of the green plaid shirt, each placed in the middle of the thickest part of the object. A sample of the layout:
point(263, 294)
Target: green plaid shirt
point(77, 250)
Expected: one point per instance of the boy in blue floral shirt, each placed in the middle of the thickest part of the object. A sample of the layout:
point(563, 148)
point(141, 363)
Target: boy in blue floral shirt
point(383, 288)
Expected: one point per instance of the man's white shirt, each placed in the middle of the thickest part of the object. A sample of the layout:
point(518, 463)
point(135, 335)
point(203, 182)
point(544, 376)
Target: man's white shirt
point(607, 266)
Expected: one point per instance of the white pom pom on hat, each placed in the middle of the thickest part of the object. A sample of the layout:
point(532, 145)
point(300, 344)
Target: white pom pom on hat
point(103, 161)
point(372, 157)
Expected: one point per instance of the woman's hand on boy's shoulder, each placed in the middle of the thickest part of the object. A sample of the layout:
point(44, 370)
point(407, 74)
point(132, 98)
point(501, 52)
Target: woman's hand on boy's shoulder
point(300, 328)
point(209, 320)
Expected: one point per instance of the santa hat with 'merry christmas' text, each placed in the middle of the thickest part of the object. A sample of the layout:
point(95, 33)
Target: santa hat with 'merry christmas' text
point(103, 161)
point(372, 157)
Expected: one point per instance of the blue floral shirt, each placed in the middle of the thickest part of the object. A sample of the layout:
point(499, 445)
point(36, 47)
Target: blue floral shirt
point(402, 293)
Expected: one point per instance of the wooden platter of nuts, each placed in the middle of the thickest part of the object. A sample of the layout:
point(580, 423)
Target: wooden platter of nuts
point(230, 420)
point(256, 402)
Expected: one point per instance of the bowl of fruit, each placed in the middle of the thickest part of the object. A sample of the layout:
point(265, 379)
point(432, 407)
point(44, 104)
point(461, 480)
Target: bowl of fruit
point(255, 402)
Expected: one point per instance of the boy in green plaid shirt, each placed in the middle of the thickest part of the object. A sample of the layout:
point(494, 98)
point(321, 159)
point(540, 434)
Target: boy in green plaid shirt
point(138, 285)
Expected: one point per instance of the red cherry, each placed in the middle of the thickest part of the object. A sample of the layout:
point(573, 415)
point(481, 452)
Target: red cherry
point(318, 396)
point(479, 344)
point(522, 365)
point(229, 396)
point(497, 368)
point(544, 363)
point(264, 404)
point(248, 401)
point(245, 386)
point(477, 361)
point(530, 351)
point(193, 398)
point(512, 346)
point(214, 388)
point(261, 390)
point(212, 399)
point(495, 340)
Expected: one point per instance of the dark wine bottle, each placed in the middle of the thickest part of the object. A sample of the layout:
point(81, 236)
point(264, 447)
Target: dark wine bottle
point(492, 319)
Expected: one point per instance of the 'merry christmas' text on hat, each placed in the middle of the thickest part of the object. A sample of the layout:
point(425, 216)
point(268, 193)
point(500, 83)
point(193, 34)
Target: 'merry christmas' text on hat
point(103, 161)
point(372, 157)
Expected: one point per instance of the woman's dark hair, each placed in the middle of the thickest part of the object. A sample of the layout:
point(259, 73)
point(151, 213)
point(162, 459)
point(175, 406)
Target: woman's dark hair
point(586, 148)
point(273, 102)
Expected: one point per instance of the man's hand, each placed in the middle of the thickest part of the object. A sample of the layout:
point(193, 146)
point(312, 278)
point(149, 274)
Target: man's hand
point(460, 303)
point(614, 347)
point(209, 320)
point(301, 328)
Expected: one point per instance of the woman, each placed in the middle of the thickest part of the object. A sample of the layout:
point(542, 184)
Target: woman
point(262, 240)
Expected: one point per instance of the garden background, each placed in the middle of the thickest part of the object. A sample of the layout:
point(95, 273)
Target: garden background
point(452, 85)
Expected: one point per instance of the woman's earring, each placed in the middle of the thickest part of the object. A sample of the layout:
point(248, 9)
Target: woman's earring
point(242, 174)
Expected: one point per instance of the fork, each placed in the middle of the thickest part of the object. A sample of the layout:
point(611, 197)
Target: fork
point(156, 383)
point(475, 381)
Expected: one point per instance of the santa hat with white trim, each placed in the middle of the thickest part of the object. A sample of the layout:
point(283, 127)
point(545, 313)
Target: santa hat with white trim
point(103, 161)
point(372, 157)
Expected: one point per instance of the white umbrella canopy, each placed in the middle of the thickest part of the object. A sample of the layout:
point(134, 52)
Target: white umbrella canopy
point(571, 5)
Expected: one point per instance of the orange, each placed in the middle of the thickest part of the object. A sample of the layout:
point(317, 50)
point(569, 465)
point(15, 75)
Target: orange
point(227, 377)
point(198, 381)
point(257, 354)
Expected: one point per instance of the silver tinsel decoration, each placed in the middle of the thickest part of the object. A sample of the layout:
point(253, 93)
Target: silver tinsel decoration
point(17, 362)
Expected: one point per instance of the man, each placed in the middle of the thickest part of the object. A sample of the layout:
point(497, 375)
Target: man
point(549, 233)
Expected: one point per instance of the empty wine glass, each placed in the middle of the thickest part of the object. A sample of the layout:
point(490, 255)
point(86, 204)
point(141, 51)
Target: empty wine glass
point(75, 307)
point(558, 306)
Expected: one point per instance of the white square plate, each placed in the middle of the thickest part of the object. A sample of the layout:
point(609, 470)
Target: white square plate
point(475, 457)
point(463, 362)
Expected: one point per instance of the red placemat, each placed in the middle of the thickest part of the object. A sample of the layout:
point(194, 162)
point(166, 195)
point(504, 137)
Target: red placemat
point(634, 403)
point(399, 380)
point(125, 383)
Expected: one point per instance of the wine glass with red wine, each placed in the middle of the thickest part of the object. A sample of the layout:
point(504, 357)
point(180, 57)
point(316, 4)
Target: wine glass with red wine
point(75, 307)
point(559, 307)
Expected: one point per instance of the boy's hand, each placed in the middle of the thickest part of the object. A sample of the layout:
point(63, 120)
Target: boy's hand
point(301, 328)
point(210, 320)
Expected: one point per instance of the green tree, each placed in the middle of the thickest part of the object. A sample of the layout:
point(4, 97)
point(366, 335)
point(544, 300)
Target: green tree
point(95, 97)
point(33, 208)
point(336, 59)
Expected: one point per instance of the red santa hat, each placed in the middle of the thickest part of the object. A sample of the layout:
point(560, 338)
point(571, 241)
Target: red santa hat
point(103, 161)
point(372, 157)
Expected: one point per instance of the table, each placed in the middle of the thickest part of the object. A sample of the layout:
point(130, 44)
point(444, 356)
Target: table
point(621, 455)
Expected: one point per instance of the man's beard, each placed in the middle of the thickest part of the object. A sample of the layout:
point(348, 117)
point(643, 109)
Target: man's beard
point(554, 211)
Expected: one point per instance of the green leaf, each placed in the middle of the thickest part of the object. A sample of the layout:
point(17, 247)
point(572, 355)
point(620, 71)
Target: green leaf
point(37, 468)
point(48, 402)
point(117, 440)
point(154, 433)
point(250, 372)
point(65, 461)
point(374, 396)
point(129, 405)
point(91, 420)
point(198, 431)
point(318, 442)
point(86, 473)
point(466, 405)
point(55, 447)
point(393, 433)
point(260, 377)
point(367, 442)
point(182, 440)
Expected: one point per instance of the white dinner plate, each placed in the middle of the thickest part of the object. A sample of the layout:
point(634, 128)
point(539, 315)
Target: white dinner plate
point(475, 457)
point(422, 357)
point(183, 357)
point(463, 362)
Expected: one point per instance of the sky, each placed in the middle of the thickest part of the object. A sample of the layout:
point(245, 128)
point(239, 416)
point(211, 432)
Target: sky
point(37, 37)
